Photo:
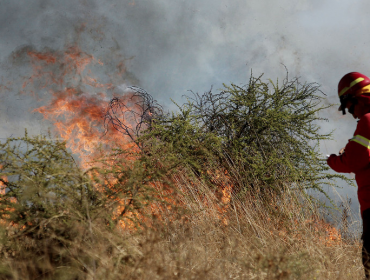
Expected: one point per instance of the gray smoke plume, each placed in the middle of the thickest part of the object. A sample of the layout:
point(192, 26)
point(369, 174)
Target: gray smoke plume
point(169, 47)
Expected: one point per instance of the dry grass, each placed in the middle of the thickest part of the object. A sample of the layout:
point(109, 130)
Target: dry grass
point(217, 237)
point(290, 242)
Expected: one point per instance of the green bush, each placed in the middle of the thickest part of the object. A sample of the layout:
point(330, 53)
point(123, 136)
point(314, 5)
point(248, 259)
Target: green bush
point(58, 221)
point(48, 211)
point(266, 134)
point(55, 217)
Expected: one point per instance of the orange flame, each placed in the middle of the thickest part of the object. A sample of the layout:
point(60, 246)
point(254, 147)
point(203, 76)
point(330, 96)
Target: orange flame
point(77, 114)
point(77, 103)
point(12, 199)
point(78, 118)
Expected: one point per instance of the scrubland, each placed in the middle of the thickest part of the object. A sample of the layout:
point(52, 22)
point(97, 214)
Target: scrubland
point(215, 191)
point(206, 235)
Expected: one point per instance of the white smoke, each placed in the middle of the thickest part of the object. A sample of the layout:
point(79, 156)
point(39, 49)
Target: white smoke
point(170, 47)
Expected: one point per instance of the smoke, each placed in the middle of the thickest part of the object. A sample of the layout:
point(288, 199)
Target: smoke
point(170, 47)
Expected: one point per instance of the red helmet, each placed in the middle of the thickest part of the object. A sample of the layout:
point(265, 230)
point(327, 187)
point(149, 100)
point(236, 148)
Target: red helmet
point(349, 85)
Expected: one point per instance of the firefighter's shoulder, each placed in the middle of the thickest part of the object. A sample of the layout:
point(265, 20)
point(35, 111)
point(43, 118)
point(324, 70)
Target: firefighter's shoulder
point(363, 126)
point(365, 120)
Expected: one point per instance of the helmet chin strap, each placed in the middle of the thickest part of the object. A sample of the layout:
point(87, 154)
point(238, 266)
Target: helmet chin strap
point(343, 103)
point(352, 108)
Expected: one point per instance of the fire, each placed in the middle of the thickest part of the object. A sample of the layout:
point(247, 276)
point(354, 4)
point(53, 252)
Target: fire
point(323, 232)
point(2, 185)
point(328, 234)
point(48, 58)
point(76, 102)
point(3, 181)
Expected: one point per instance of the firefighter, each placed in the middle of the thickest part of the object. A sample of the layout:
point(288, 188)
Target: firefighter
point(354, 95)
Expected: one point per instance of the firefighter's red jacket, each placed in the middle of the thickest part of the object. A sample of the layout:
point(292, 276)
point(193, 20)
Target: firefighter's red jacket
point(356, 159)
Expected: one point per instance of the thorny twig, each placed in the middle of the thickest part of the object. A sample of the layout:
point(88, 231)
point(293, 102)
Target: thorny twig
point(133, 115)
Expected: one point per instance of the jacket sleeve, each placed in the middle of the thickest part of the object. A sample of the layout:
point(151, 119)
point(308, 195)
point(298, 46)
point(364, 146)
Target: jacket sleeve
point(356, 153)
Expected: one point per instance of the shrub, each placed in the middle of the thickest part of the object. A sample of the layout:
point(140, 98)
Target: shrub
point(267, 132)
point(162, 198)
point(60, 222)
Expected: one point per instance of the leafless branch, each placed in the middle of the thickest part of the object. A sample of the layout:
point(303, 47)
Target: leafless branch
point(132, 114)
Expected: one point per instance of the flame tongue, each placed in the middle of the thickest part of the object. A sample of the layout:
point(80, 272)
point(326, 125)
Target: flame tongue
point(77, 107)
point(77, 119)
point(78, 101)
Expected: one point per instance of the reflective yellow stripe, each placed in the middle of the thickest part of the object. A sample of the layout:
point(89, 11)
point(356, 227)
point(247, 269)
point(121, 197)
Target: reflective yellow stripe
point(365, 89)
point(361, 140)
point(343, 91)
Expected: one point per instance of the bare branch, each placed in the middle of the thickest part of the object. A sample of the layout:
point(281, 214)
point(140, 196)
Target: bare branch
point(132, 114)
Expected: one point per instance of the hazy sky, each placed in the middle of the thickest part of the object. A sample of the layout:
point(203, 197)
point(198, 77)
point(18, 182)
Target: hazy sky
point(172, 46)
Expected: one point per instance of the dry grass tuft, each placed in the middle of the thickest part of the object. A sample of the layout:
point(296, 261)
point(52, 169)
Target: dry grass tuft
point(288, 241)
point(198, 232)
point(227, 238)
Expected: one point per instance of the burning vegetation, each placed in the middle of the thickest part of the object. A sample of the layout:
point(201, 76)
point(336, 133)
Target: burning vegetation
point(216, 190)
